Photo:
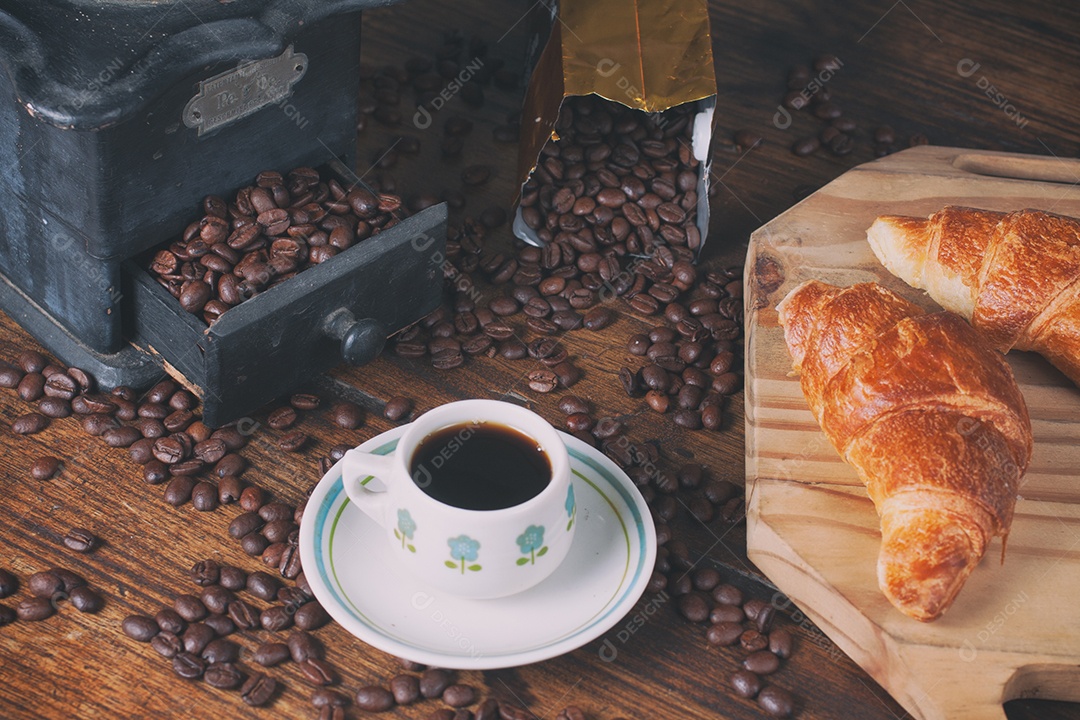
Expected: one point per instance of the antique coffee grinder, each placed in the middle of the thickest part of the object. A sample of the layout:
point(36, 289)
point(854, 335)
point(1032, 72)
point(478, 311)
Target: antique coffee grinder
point(117, 117)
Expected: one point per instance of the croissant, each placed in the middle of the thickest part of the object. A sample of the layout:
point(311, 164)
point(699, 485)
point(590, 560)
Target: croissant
point(928, 415)
point(1015, 276)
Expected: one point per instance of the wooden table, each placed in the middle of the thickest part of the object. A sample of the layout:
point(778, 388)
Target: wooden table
point(1000, 77)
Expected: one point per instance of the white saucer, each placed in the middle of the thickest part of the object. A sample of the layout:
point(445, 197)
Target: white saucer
point(349, 565)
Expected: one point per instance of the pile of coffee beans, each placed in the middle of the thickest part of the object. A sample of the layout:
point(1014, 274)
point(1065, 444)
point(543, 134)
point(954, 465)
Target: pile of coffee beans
point(810, 94)
point(272, 230)
point(48, 590)
point(193, 632)
point(735, 621)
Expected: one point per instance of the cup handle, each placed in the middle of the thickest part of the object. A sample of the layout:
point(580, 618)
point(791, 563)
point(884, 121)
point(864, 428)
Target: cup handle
point(357, 466)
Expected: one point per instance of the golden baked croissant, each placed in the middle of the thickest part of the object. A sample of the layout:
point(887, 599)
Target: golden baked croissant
point(1015, 276)
point(930, 417)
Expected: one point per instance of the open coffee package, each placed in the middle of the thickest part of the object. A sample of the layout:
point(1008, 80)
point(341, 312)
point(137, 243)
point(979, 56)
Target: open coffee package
point(650, 56)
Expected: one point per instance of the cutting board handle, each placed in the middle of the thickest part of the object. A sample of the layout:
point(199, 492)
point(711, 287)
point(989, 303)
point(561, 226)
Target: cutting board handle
point(1021, 167)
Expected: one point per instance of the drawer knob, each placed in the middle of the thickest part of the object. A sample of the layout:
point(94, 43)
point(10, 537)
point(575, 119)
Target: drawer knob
point(361, 340)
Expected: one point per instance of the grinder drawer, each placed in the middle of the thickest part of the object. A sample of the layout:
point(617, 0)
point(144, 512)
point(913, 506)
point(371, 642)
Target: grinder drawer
point(267, 346)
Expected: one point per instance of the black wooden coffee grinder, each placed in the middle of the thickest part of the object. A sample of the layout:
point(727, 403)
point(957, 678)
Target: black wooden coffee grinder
point(117, 117)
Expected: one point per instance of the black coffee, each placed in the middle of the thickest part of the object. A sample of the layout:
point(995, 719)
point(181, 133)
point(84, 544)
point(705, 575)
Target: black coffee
point(480, 466)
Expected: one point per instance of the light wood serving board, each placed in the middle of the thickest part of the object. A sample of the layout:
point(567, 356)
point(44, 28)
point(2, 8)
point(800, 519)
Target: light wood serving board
point(1014, 630)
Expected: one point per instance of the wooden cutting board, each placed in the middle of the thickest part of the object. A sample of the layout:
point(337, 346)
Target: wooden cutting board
point(1014, 630)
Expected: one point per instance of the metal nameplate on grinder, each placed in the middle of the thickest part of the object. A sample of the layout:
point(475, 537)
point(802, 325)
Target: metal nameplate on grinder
point(248, 88)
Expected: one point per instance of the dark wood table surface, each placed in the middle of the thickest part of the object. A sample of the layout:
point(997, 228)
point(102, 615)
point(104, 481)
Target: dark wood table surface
point(997, 75)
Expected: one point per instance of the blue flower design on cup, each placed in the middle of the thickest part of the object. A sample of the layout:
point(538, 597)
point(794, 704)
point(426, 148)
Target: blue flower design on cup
point(571, 506)
point(463, 549)
point(532, 542)
point(406, 526)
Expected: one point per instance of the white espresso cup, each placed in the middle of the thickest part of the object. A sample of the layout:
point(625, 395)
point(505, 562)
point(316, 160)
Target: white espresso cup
point(466, 552)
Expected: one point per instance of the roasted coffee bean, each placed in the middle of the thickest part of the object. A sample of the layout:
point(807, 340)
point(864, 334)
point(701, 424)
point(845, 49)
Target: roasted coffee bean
point(167, 644)
point(29, 424)
point(745, 684)
point(276, 618)
point(271, 556)
point(168, 450)
point(223, 675)
point(346, 414)
point(217, 599)
point(35, 609)
point(150, 428)
point(54, 407)
point(638, 344)
point(304, 401)
point(31, 387)
point(190, 608)
point(776, 701)
point(188, 665)
point(45, 584)
point(748, 139)
point(433, 682)
point(231, 464)
point(252, 498)
point(761, 662)
point(571, 404)
point(263, 585)
point(44, 468)
point(457, 696)
point(211, 450)
point(325, 697)
point(197, 636)
point(139, 627)
point(179, 490)
point(405, 689)
point(80, 540)
point(232, 578)
point(727, 613)
point(282, 418)
point(318, 672)
point(543, 381)
point(488, 710)
point(278, 530)
point(205, 572)
point(245, 523)
point(9, 375)
point(753, 606)
point(764, 620)
point(243, 615)
point(781, 642)
point(373, 698)
point(204, 496)
point(270, 654)
point(258, 690)
point(156, 472)
point(290, 565)
point(123, 436)
point(9, 584)
point(752, 640)
point(598, 318)
point(397, 408)
point(805, 146)
point(475, 175)
point(311, 616)
point(694, 607)
point(61, 385)
point(689, 419)
point(170, 621)
point(293, 441)
point(187, 467)
point(32, 361)
point(220, 624)
point(303, 645)
point(724, 633)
